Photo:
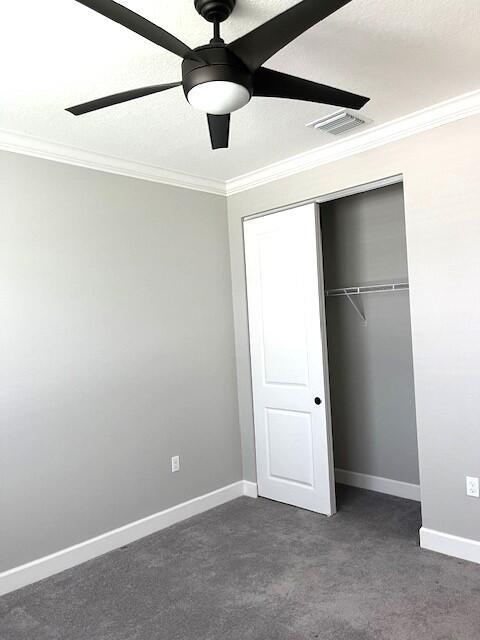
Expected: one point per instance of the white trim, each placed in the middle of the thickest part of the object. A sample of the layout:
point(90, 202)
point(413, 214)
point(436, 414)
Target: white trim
point(250, 489)
point(439, 114)
point(66, 558)
point(375, 483)
point(31, 146)
point(464, 548)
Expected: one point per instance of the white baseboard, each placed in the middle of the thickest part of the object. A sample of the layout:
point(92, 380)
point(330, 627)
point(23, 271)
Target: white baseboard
point(66, 558)
point(464, 548)
point(250, 489)
point(375, 483)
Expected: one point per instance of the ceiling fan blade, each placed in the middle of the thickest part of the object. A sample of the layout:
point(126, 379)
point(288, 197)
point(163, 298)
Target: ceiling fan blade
point(142, 26)
point(219, 130)
point(273, 84)
point(262, 43)
point(117, 98)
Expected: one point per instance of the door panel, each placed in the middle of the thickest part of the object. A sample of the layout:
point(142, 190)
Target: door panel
point(285, 351)
point(290, 446)
point(292, 433)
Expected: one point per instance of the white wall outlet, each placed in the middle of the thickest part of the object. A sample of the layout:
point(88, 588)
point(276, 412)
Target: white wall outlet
point(175, 464)
point(473, 487)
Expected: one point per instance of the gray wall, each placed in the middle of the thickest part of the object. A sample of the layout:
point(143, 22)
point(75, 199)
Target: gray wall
point(370, 367)
point(363, 238)
point(116, 353)
point(442, 208)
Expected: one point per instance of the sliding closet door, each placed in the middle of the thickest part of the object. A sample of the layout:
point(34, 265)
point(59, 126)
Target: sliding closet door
point(292, 429)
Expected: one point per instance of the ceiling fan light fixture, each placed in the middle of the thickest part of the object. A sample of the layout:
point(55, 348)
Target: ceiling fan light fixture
point(218, 97)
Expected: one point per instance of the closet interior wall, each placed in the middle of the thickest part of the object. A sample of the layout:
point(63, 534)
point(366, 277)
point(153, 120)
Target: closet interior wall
point(370, 365)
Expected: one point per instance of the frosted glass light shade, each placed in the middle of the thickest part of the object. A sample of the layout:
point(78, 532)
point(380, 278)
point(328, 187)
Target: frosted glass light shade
point(218, 97)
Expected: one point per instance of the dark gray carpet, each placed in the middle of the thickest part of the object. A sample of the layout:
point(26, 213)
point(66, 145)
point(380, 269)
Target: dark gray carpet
point(255, 569)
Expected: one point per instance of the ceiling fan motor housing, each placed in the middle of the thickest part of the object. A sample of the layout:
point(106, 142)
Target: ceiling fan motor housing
point(215, 10)
point(219, 65)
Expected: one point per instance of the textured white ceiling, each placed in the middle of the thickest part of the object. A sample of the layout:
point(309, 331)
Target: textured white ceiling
point(404, 54)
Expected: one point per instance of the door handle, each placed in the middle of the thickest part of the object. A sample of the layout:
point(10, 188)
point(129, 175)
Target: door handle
point(318, 401)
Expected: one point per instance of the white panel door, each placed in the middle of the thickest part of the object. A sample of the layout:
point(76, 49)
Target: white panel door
point(286, 320)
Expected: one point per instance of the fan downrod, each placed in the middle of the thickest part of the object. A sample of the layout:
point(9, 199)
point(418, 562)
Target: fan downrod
point(215, 11)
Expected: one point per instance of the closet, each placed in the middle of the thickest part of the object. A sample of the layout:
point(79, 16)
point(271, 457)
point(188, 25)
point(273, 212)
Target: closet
point(330, 348)
point(369, 341)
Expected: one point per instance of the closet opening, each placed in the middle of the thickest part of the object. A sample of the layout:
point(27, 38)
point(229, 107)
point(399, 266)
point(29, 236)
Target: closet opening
point(331, 356)
point(369, 346)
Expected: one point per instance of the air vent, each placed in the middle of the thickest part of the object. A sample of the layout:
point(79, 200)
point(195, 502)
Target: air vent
point(338, 123)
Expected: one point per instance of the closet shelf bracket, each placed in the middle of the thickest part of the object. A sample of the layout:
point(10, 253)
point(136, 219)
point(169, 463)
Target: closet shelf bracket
point(356, 307)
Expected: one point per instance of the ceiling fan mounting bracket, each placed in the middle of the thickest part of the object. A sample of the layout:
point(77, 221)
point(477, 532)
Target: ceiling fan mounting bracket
point(215, 10)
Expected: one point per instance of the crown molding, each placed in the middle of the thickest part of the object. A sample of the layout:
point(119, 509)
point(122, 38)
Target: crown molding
point(31, 146)
point(437, 115)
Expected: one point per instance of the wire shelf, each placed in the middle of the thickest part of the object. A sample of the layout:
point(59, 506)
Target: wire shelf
point(372, 288)
point(348, 292)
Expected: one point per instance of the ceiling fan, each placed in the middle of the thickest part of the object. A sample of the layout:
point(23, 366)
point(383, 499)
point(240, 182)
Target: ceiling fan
point(220, 78)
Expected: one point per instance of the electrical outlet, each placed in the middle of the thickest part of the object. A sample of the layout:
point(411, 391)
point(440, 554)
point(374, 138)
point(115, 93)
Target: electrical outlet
point(175, 464)
point(473, 487)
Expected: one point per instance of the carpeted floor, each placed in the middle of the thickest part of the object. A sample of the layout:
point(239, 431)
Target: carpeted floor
point(260, 570)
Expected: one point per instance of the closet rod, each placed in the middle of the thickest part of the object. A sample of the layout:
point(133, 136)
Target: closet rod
point(373, 288)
